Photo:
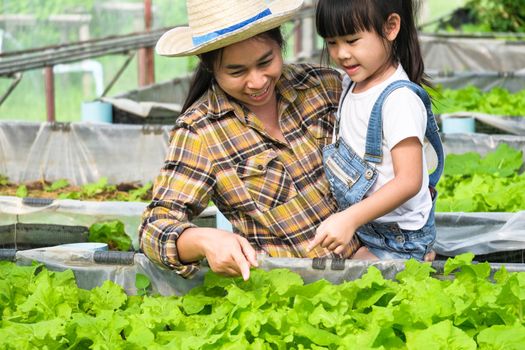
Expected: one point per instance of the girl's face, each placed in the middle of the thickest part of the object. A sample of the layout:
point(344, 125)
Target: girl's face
point(365, 56)
point(249, 70)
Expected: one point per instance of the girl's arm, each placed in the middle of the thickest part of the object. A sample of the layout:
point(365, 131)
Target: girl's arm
point(407, 157)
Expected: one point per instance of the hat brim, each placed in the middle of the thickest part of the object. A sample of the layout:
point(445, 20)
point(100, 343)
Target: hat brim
point(178, 41)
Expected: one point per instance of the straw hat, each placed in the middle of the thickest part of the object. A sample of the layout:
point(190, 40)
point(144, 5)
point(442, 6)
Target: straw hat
point(217, 23)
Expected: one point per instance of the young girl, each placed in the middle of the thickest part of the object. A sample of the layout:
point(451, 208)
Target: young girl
point(377, 167)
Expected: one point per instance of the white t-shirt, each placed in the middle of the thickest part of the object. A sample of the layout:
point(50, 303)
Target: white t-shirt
point(404, 116)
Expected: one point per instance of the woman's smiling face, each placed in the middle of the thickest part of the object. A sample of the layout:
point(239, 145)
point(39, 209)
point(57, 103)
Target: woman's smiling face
point(249, 70)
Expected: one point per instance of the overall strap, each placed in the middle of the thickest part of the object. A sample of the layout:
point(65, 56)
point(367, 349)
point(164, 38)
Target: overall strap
point(347, 84)
point(373, 152)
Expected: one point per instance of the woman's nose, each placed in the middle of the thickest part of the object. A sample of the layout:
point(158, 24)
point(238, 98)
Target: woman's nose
point(256, 80)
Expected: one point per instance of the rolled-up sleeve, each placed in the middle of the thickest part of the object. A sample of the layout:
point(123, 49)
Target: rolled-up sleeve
point(182, 191)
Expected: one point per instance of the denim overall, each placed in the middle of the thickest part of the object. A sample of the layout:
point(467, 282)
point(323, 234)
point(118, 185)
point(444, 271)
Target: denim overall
point(351, 177)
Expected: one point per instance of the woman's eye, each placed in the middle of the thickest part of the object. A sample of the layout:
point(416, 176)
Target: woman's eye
point(265, 63)
point(236, 73)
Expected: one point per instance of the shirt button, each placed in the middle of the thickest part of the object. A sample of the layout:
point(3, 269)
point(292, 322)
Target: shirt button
point(400, 239)
point(260, 167)
point(369, 173)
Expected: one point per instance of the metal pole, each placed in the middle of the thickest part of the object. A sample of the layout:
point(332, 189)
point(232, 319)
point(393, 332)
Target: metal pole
point(17, 77)
point(145, 55)
point(49, 81)
point(119, 73)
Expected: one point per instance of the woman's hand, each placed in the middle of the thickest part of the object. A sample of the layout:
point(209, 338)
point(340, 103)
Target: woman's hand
point(230, 254)
point(227, 253)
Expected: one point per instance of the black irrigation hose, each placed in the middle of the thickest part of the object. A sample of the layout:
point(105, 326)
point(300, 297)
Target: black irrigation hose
point(114, 257)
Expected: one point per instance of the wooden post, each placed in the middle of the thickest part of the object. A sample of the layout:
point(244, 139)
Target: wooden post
point(49, 81)
point(305, 35)
point(145, 55)
point(298, 39)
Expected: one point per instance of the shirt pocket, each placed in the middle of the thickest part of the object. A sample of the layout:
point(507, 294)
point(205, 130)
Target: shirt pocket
point(266, 180)
point(322, 127)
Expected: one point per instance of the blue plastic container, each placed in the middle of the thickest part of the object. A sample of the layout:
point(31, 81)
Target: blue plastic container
point(97, 112)
point(457, 124)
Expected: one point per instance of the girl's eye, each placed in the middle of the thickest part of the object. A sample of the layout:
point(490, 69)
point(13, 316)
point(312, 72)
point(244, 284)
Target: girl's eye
point(330, 42)
point(352, 41)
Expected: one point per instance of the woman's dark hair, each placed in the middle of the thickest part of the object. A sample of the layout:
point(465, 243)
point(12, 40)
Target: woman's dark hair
point(203, 76)
point(347, 17)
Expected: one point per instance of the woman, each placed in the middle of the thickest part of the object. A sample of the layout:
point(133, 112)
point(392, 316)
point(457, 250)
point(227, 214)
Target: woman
point(249, 139)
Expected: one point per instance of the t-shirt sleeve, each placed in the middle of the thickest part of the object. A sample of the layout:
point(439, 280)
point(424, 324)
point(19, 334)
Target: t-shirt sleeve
point(404, 116)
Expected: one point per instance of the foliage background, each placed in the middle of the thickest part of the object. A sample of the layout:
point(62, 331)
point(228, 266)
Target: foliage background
point(27, 102)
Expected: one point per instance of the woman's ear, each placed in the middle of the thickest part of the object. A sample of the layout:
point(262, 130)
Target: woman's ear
point(392, 26)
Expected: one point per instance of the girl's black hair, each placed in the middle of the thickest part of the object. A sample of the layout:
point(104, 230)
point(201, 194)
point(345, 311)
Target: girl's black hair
point(203, 76)
point(347, 17)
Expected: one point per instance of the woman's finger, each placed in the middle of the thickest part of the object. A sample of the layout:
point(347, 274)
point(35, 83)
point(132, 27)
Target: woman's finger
point(242, 264)
point(248, 251)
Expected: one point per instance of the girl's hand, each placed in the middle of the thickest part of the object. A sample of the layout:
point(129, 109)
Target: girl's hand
point(335, 233)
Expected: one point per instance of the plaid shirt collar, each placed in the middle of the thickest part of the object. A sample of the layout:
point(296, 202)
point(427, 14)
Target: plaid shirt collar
point(219, 103)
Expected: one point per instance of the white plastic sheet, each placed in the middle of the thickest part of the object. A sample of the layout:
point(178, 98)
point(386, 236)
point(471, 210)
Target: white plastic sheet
point(471, 54)
point(82, 152)
point(479, 233)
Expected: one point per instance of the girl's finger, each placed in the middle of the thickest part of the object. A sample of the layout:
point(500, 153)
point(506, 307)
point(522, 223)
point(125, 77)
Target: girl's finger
point(340, 249)
point(318, 238)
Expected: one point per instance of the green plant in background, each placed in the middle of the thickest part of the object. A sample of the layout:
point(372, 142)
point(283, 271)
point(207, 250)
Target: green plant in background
point(486, 16)
point(90, 190)
point(4, 180)
point(57, 185)
point(497, 101)
point(112, 233)
point(499, 15)
point(136, 195)
point(472, 183)
point(61, 189)
point(22, 191)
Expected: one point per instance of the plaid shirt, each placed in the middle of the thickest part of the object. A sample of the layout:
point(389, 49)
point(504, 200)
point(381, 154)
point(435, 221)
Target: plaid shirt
point(275, 194)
